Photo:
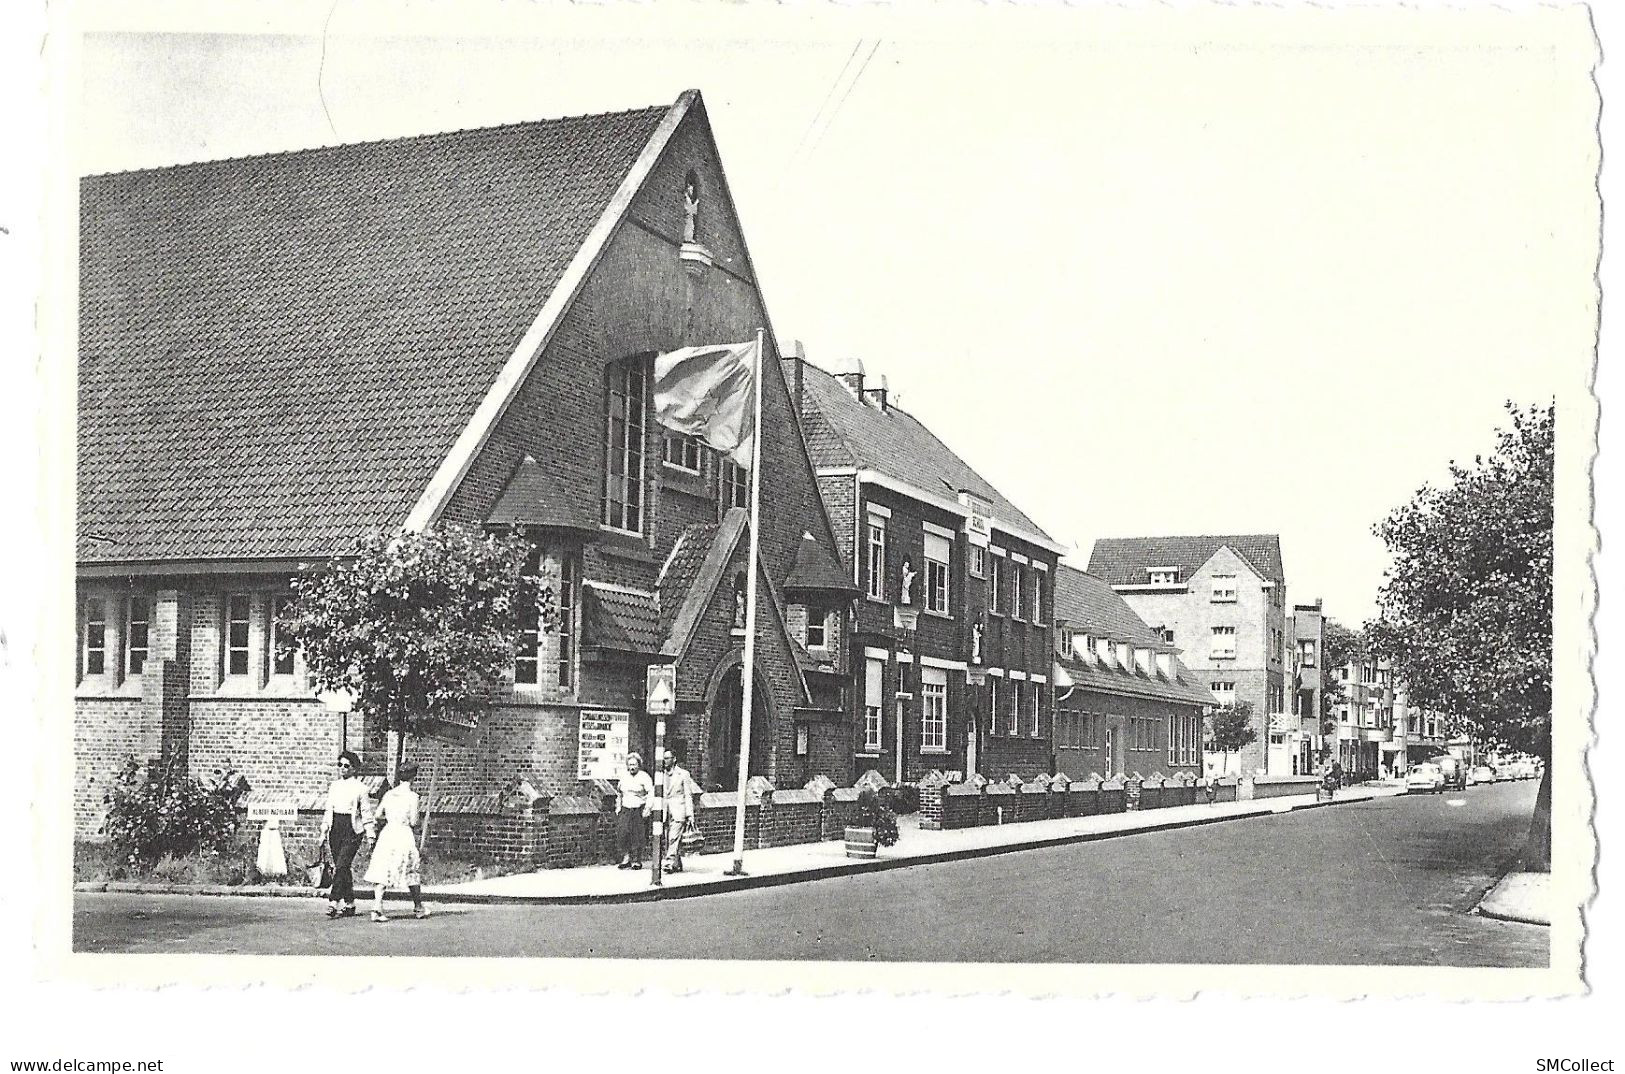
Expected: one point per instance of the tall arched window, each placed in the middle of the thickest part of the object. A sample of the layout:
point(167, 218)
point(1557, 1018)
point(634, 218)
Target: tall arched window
point(625, 404)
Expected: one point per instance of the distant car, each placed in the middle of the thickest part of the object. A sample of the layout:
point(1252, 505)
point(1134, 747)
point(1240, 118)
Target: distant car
point(1424, 777)
point(1481, 774)
point(1454, 770)
point(1505, 771)
point(1526, 769)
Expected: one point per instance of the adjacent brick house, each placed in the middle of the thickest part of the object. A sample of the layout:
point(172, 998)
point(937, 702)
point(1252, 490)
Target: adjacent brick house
point(280, 353)
point(1222, 601)
point(951, 649)
point(1124, 702)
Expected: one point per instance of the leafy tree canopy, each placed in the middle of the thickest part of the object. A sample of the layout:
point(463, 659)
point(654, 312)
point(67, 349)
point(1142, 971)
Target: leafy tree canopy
point(1339, 646)
point(1465, 612)
point(422, 625)
point(1232, 727)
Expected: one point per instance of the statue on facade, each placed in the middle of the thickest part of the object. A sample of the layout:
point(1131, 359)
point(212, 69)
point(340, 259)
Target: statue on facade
point(739, 603)
point(691, 209)
point(908, 581)
point(976, 642)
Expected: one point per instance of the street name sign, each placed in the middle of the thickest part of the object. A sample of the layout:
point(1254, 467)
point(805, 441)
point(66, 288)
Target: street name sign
point(284, 810)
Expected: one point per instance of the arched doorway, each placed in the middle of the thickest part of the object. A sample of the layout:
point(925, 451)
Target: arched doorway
point(722, 753)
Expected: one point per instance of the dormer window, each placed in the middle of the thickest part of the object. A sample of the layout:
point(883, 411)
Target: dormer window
point(1066, 642)
point(1165, 576)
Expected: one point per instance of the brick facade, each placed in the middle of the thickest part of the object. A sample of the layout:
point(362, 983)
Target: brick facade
point(639, 299)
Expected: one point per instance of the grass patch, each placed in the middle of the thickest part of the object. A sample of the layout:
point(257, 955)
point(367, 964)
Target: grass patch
point(97, 863)
point(234, 867)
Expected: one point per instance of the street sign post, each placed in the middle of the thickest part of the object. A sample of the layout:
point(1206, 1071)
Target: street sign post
point(660, 699)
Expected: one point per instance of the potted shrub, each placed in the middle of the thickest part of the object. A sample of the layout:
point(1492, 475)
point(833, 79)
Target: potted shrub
point(875, 826)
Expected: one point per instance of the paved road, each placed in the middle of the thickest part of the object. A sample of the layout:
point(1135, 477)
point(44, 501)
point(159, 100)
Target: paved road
point(1384, 882)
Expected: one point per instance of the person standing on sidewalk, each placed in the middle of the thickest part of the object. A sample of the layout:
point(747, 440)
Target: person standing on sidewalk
point(680, 792)
point(343, 823)
point(633, 800)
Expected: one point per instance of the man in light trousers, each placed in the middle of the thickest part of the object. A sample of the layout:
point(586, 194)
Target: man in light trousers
point(680, 792)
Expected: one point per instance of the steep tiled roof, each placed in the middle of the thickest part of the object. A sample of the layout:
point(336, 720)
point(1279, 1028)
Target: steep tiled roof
point(532, 499)
point(619, 620)
point(845, 432)
point(1087, 674)
point(682, 571)
point(1087, 603)
point(817, 568)
point(276, 352)
point(1125, 560)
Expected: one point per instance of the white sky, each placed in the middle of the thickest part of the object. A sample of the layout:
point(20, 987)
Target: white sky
point(1258, 271)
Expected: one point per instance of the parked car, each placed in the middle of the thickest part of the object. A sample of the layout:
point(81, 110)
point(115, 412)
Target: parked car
point(1481, 774)
point(1424, 777)
point(1454, 770)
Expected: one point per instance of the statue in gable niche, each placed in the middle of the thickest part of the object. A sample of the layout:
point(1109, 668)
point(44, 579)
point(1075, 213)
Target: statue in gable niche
point(908, 581)
point(976, 641)
point(691, 208)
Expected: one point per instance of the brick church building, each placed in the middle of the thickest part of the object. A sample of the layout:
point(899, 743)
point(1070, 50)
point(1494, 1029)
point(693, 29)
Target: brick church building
point(281, 353)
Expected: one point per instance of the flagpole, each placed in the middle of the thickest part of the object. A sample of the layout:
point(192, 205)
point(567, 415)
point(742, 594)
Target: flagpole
point(750, 616)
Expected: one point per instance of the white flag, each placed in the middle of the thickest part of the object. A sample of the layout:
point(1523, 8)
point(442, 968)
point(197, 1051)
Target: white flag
point(709, 393)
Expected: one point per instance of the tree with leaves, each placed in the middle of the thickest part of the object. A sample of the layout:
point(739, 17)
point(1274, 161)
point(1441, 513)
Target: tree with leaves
point(1231, 730)
point(1465, 611)
point(421, 626)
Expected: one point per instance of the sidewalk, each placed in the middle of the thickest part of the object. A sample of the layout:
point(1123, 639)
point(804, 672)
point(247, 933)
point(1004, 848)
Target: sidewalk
point(704, 874)
point(1520, 897)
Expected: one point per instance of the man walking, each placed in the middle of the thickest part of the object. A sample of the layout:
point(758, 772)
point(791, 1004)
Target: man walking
point(680, 792)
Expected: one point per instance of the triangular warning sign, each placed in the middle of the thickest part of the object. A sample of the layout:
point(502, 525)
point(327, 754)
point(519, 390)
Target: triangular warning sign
point(660, 693)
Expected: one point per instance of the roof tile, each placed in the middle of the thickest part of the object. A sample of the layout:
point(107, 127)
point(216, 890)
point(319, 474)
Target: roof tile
point(1125, 560)
point(276, 352)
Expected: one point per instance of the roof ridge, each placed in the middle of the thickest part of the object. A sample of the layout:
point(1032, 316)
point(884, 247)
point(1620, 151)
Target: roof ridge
point(403, 139)
point(1190, 537)
point(925, 428)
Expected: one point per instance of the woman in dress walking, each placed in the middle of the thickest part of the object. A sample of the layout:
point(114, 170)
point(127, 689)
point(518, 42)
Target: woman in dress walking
point(343, 823)
point(395, 862)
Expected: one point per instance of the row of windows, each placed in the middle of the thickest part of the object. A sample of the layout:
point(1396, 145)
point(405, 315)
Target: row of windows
point(116, 637)
point(116, 640)
point(1021, 705)
point(530, 652)
point(625, 430)
point(1012, 589)
point(1088, 730)
point(1021, 701)
point(1015, 590)
point(1184, 740)
point(933, 707)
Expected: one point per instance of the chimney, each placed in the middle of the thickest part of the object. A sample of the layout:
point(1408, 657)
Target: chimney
point(854, 381)
point(799, 356)
point(878, 394)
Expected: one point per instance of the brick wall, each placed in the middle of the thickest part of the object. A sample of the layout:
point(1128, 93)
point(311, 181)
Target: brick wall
point(106, 733)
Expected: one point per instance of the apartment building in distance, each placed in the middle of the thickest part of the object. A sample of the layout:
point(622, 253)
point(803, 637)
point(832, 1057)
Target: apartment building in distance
point(952, 639)
point(1307, 628)
point(1221, 600)
point(1366, 744)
